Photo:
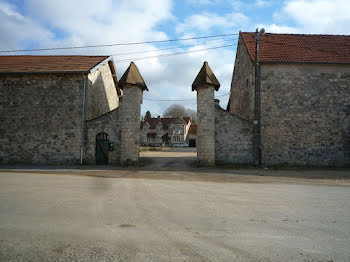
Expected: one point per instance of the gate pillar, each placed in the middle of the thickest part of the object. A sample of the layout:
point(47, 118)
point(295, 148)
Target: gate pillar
point(133, 86)
point(205, 84)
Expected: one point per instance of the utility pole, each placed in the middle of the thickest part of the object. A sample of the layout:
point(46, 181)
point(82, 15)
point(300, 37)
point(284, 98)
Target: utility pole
point(257, 111)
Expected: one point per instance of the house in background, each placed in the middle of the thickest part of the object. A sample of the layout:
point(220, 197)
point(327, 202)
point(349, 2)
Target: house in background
point(192, 136)
point(58, 109)
point(157, 131)
point(305, 97)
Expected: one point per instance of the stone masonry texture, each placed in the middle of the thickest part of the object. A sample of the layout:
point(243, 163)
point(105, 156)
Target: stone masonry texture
point(101, 94)
point(108, 123)
point(130, 124)
point(233, 139)
point(305, 110)
point(40, 116)
point(242, 85)
point(205, 125)
point(305, 114)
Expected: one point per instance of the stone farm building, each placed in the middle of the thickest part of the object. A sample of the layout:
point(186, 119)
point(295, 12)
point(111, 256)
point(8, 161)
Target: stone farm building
point(60, 109)
point(156, 131)
point(290, 108)
point(305, 97)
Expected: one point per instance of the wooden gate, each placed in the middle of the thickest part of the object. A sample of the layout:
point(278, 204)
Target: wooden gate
point(101, 153)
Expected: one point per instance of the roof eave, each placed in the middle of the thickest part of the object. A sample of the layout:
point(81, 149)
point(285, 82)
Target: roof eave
point(44, 72)
point(114, 76)
point(98, 66)
point(300, 63)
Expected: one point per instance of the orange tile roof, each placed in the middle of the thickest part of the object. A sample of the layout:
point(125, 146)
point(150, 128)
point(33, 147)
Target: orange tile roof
point(49, 64)
point(298, 48)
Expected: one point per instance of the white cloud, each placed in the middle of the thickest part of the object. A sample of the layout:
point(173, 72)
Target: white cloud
point(84, 21)
point(273, 28)
point(206, 22)
point(319, 16)
point(16, 29)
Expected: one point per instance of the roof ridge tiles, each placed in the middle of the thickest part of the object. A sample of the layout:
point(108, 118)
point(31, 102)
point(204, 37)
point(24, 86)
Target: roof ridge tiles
point(294, 34)
point(299, 48)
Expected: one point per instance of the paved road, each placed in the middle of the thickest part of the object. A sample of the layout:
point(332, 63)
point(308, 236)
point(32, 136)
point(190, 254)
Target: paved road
point(58, 216)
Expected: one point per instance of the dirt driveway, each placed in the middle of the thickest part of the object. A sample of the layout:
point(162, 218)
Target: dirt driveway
point(173, 159)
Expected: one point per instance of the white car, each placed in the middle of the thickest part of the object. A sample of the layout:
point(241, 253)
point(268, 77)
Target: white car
point(180, 145)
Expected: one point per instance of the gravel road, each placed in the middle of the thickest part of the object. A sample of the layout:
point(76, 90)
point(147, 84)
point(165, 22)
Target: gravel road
point(68, 216)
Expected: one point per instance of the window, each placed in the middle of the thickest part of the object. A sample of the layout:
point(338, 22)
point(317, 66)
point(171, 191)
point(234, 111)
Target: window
point(176, 139)
point(177, 130)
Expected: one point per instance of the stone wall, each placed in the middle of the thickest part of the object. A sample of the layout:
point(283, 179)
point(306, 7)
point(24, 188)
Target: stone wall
point(108, 123)
point(305, 114)
point(130, 124)
point(40, 116)
point(101, 96)
point(242, 85)
point(205, 125)
point(233, 139)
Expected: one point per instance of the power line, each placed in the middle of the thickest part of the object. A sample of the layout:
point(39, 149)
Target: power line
point(117, 44)
point(172, 54)
point(173, 47)
point(178, 100)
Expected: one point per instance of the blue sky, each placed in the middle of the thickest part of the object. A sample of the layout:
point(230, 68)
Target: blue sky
point(43, 23)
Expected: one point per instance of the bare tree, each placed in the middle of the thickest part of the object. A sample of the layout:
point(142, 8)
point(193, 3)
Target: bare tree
point(192, 114)
point(176, 110)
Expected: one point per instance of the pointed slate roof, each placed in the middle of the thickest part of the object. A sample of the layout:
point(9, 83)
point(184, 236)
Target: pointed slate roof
point(132, 76)
point(205, 77)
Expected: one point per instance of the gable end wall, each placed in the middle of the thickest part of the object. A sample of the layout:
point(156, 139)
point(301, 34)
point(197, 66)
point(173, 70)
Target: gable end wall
point(242, 85)
point(101, 95)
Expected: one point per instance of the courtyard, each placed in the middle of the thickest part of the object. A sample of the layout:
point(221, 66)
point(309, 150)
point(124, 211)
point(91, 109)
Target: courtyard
point(173, 211)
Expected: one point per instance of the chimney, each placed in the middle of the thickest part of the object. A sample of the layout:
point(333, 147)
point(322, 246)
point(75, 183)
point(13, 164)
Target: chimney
point(217, 103)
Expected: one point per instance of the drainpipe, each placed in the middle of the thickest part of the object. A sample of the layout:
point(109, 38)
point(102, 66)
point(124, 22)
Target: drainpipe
point(257, 133)
point(83, 123)
point(259, 112)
